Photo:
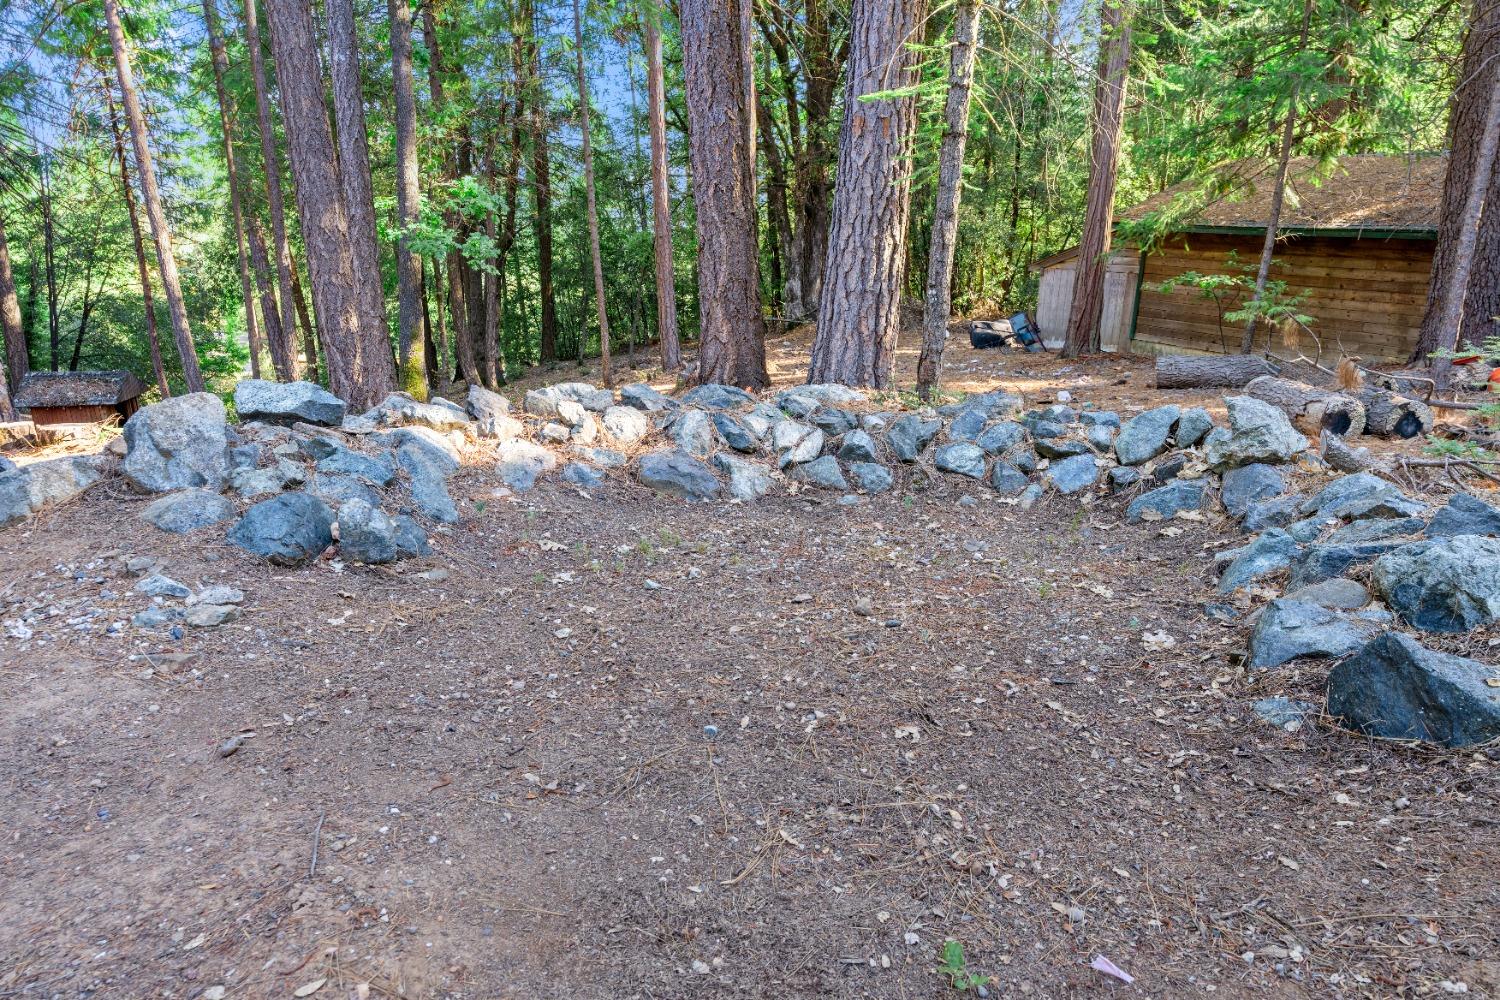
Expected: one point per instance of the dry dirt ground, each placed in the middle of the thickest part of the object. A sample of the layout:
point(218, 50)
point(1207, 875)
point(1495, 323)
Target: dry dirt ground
point(613, 745)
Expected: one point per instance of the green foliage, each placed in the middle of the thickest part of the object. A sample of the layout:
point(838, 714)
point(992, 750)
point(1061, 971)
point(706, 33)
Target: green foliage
point(1447, 448)
point(955, 967)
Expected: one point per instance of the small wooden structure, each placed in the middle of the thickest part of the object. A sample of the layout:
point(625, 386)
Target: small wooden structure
point(1357, 238)
point(79, 397)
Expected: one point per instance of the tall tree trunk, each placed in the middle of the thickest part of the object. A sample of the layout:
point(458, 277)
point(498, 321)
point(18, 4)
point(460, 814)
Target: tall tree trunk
point(409, 337)
point(354, 165)
point(85, 311)
point(1082, 332)
point(541, 186)
point(776, 205)
point(731, 328)
point(265, 283)
point(284, 348)
point(859, 311)
point(143, 272)
point(166, 262)
point(49, 254)
point(939, 299)
point(1479, 76)
point(16, 360)
point(1278, 194)
point(593, 212)
point(492, 276)
point(661, 202)
point(361, 369)
point(310, 350)
point(220, 64)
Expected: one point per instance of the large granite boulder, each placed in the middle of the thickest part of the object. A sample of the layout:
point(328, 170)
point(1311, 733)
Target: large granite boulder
point(1145, 435)
point(961, 457)
point(1464, 515)
point(1442, 585)
point(177, 444)
point(366, 534)
point(625, 424)
point(716, 396)
point(748, 480)
point(910, 434)
point(287, 530)
point(1178, 495)
point(25, 490)
point(1257, 432)
point(427, 479)
point(1072, 475)
point(1271, 552)
point(1396, 689)
point(188, 510)
point(1289, 629)
point(1249, 484)
point(677, 473)
point(287, 403)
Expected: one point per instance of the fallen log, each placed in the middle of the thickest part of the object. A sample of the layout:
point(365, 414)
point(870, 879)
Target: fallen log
point(1338, 453)
point(1183, 371)
point(1390, 415)
point(1311, 410)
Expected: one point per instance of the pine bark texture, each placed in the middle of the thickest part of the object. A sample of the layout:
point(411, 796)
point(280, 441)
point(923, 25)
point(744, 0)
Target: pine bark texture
point(360, 366)
point(166, 261)
point(1182, 371)
point(283, 348)
point(859, 310)
point(939, 298)
point(354, 163)
point(1111, 80)
point(265, 283)
point(16, 361)
point(731, 327)
point(661, 201)
point(143, 271)
point(410, 335)
point(220, 63)
point(541, 187)
point(1479, 77)
point(591, 204)
point(1311, 409)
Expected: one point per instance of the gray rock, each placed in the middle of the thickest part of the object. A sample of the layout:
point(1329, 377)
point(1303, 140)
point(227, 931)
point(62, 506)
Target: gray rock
point(336, 488)
point(31, 488)
point(1376, 530)
point(604, 457)
point(210, 615)
point(1289, 630)
point(823, 473)
point(1307, 530)
point(1347, 490)
point(1030, 495)
point(400, 410)
point(693, 432)
point(995, 405)
point(1337, 592)
point(491, 412)
point(748, 481)
point(798, 407)
point(1277, 513)
point(1061, 447)
point(735, 432)
point(178, 443)
point(287, 402)
point(1321, 562)
point(1442, 585)
point(1168, 468)
point(440, 447)
point(1271, 553)
point(1391, 505)
point(544, 402)
point(376, 469)
point(251, 483)
point(188, 510)
point(715, 396)
point(1193, 426)
point(218, 594)
point(583, 475)
point(315, 448)
point(1100, 418)
point(1008, 480)
point(1000, 436)
point(1123, 477)
point(1257, 432)
point(858, 446)
point(760, 418)
point(1180, 495)
point(641, 396)
point(871, 477)
point(1023, 458)
point(795, 443)
point(287, 530)
point(1464, 515)
point(521, 462)
point(155, 617)
point(967, 424)
point(910, 434)
point(1284, 713)
point(677, 473)
point(1100, 438)
point(1058, 413)
point(366, 534)
point(1394, 688)
point(626, 424)
point(876, 423)
point(833, 421)
point(1072, 475)
point(1042, 429)
point(411, 539)
point(6, 465)
point(428, 483)
point(827, 393)
point(554, 432)
point(245, 456)
point(157, 585)
point(1248, 484)
point(1144, 436)
point(962, 458)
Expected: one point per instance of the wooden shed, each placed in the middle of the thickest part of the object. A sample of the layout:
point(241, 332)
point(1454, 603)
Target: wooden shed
point(1357, 238)
point(79, 397)
point(1055, 297)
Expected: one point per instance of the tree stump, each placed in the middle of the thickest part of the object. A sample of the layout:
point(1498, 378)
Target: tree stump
point(1312, 410)
point(1177, 371)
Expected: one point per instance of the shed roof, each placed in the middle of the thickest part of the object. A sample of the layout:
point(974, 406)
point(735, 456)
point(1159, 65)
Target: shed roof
point(47, 389)
point(1362, 194)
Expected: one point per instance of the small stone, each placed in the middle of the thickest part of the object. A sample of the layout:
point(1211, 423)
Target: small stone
point(1072, 475)
point(582, 475)
point(871, 477)
point(1193, 426)
point(157, 585)
point(366, 533)
point(677, 473)
point(427, 480)
point(1248, 484)
point(1123, 477)
point(1271, 553)
point(857, 446)
point(188, 510)
point(962, 458)
point(833, 421)
point(378, 470)
point(909, 435)
point(521, 462)
point(1144, 436)
point(714, 396)
point(693, 433)
point(210, 615)
point(1276, 513)
point(1061, 447)
point(796, 442)
point(1000, 436)
point(218, 594)
point(1338, 593)
point(553, 432)
point(1321, 562)
point(1008, 480)
point(1284, 713)
point(735, 432)
point(823, 473)
point(748, 481)
point(967, 424)
point(1167, 501)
